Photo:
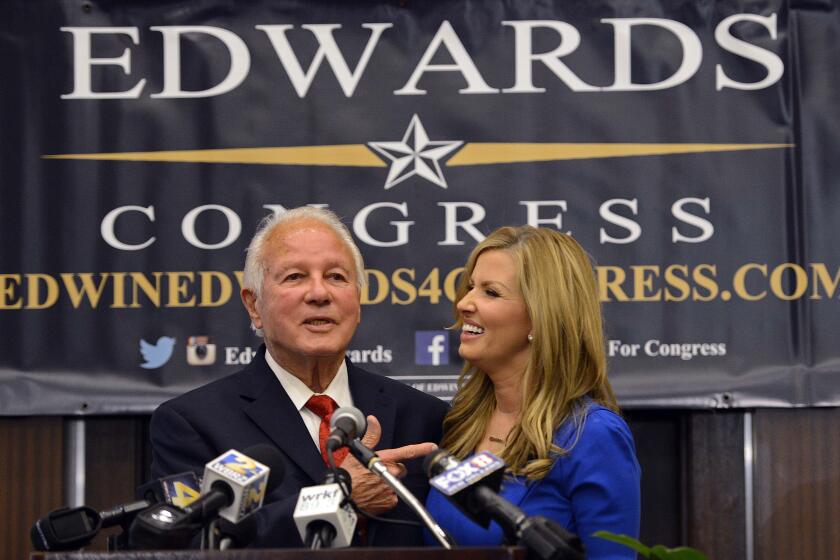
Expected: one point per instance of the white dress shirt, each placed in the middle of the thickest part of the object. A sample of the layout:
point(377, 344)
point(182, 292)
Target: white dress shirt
point(339, 390)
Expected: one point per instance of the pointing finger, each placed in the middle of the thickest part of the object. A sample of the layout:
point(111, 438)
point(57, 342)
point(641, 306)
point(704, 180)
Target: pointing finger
point(407, 452)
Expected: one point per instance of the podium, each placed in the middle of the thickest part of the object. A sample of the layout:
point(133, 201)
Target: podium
point(419, 553)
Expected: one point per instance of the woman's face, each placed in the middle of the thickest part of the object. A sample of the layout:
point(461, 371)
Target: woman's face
point(494, 336)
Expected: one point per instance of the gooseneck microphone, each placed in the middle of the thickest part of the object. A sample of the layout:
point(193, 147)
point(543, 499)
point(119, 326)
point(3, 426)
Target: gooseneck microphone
point(356, 425)
point(473, 484)
point(323, 516)
point(347, 423)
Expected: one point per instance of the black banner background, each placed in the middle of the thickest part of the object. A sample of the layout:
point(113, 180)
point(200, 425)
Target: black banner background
point(744, 317)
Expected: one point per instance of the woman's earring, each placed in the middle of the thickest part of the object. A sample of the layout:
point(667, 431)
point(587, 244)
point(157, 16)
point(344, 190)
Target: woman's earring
point(530, 337)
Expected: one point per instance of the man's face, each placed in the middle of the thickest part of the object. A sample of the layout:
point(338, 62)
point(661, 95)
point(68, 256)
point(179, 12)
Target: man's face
point(309, 307)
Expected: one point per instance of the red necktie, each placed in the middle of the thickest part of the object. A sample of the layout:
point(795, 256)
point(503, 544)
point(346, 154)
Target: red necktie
point(324, 406)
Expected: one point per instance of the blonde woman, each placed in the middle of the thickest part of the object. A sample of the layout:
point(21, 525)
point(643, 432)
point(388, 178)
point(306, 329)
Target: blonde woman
point(534, 391)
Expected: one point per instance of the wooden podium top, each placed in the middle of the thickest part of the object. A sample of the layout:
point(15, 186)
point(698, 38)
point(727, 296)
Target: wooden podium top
point(419, 553)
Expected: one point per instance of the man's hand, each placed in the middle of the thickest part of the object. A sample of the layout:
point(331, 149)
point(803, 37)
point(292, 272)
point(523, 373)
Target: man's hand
point(369, 491)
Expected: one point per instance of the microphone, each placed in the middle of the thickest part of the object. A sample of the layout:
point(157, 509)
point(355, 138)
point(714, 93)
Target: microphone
point(178, 489)
point(233, 488)
point(347, 422)
point(472, 485)
point(74, 528)
point(235, 535)
point(235, 526)
point(372, 461)
point(162, 527)
point(65, 529)
point(323, 517)
point(235, 483)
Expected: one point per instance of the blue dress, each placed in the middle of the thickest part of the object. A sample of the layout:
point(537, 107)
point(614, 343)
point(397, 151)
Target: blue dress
point(595, 486)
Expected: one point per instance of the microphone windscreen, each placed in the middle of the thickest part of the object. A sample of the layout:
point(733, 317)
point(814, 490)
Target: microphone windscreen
point(349, 419)
point(65, 529)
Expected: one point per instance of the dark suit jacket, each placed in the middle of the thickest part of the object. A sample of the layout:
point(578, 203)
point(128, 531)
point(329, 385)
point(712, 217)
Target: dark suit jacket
point(250, 407)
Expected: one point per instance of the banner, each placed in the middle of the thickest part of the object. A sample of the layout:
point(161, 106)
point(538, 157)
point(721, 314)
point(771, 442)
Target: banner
point(688, 146)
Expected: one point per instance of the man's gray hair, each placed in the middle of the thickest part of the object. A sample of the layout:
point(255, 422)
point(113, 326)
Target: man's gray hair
point(254, 259)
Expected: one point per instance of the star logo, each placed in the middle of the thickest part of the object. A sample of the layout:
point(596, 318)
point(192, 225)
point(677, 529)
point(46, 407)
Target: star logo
point(415, 154)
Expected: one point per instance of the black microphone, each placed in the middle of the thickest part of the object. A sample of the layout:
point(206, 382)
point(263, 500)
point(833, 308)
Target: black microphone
point(323, 517)
point(347, 423)
point(177, 489)
point(235, 526)
point(235, 483)
point(472, 485)
point(162, 527)
point(233, 488)
point(74, 528)
point(236, 535)
point(65, 529)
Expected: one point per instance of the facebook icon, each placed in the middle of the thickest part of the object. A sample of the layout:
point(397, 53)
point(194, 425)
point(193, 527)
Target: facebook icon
point(431, 348)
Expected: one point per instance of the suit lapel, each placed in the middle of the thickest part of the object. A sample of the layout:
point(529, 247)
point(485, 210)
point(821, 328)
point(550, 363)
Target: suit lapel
point(370, 397)
point(274, 413)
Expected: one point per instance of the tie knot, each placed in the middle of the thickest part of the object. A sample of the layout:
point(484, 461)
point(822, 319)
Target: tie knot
point(322, 405)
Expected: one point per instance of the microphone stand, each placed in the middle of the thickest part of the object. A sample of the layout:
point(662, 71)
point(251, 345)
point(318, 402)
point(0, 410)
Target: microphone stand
point(208, 536)
point(372, 461)
point(319, 537)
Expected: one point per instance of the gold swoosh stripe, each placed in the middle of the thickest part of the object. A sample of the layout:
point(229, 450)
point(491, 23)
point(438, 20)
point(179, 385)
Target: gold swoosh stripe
point(480, 153)
point(474, 153)
point(348, 155)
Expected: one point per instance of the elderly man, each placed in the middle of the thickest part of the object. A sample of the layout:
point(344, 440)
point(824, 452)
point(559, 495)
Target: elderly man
point(301, 288)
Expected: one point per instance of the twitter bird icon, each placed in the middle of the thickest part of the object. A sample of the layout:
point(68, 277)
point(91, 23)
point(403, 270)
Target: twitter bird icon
point(155, 355)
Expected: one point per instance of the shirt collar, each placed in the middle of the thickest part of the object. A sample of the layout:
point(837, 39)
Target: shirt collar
point(339, 388)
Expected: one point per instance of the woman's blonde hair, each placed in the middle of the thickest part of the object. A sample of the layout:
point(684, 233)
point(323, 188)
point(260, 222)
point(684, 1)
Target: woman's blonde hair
point(567, 361)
